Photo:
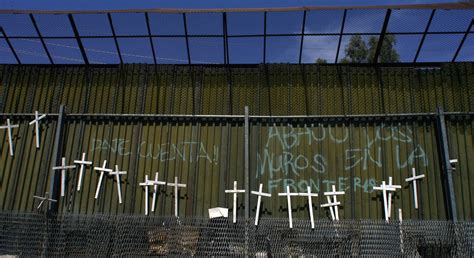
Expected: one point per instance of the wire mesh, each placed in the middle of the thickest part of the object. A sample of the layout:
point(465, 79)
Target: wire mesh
point(276, 37)
point(35, 234)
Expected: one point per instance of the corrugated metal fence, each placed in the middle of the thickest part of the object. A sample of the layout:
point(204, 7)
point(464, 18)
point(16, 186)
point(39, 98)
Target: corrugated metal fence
point(309, 126)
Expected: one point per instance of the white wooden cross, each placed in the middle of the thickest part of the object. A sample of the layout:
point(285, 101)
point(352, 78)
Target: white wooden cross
point(43, 199)
point(101, 170)
point(155, 190)
point(310, 203)
point(331, 205)
point(333, 208)
point(146, 184)
point(390, 184)
point(63, 169)
point(117, 174)
point(36, 122)
point(413, 179)
point(9, 130)
point(384, 188)
point(176, 196)
point(259, 201)
point(288, 195)
point(235, 191)
point(82, 163)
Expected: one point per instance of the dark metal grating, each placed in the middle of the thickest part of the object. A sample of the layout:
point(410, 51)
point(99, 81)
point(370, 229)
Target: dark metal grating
point(28, 234)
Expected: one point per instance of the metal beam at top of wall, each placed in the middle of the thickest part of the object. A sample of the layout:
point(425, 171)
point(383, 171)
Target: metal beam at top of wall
point(382, 36)
point(447, 170)
point(297, 34)
point(78, 39)
point(340, 36)
point(448, 5)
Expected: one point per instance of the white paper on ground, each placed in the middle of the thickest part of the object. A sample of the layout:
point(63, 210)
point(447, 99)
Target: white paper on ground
point(218, 212)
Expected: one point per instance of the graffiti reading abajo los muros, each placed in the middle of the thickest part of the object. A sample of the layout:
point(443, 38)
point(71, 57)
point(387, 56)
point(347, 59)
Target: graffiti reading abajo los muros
point(279, 161)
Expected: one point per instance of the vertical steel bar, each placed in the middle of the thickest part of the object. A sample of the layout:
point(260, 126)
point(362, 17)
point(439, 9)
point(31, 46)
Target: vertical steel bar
point(149, 36)
point(186, 37)
point(224, 37)
point(10, 45)
point(382, 36)
point(462, 41)
point(32, 18)
point(247, 162)
point(446, 165)
point(302, 36)
point(340, 35)
point(57, 147)
point(265, 37)
point(115, 37)
point(247, 171)
point(78, 39)
point(424, 36)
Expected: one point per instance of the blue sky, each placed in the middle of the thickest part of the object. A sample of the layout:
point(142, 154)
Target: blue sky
point(437, 47)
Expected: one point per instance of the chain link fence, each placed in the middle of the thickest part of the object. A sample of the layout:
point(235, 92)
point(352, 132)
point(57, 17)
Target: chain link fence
point(35, 234)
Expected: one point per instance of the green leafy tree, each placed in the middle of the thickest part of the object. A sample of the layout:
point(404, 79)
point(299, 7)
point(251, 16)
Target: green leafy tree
point(357, 51)
point(321, 61)
point(388, 53)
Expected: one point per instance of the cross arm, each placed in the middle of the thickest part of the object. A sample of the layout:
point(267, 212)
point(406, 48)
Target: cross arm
point(39, 118)
point(330, 204)
point(262, 194)
point(333, 193)
point(83, 162)
point(235, 191)
point(64, 167)
point(414, 178)
point(6, 126)
point(310, 194)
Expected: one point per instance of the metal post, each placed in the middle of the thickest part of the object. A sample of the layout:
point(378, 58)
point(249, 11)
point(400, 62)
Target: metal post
point(246, 163)
point(57, 147)
point(446, 165)
point(247, 176)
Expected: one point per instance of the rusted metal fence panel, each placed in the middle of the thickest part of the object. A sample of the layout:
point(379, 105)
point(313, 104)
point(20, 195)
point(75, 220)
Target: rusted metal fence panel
point(207, 153)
